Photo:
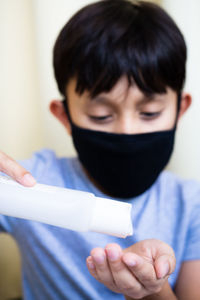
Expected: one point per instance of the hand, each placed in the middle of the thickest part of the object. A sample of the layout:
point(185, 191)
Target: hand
point(138, 271)
point(10, 167)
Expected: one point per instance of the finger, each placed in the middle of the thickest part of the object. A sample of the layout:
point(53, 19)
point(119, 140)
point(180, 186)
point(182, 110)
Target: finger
point(102, 268)
point(164, 259)
point(123, 278)
point(91, 267)
point(164, 265)
point(10, 167)
point(156, 251)
point(144, 271)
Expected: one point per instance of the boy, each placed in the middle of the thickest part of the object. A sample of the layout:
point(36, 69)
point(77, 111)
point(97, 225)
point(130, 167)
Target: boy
point(120, 67)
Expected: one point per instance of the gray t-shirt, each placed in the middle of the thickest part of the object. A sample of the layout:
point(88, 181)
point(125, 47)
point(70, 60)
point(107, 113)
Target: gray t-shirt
point(53, 259)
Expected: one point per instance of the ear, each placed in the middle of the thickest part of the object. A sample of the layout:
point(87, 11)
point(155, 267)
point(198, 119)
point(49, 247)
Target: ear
point(57, 109)
point(186, 100)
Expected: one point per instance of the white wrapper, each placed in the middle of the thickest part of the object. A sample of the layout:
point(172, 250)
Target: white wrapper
point(71, 209)
point(112, 217)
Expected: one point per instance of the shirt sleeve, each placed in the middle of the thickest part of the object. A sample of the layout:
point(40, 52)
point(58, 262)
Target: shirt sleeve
point(4, 224)
point(4, 221)
point(192, 247)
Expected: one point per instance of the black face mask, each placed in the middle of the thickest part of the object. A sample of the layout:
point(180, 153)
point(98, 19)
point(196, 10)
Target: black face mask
point(124, 165)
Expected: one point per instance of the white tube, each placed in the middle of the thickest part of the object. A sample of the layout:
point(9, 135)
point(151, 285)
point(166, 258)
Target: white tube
point(71, 209)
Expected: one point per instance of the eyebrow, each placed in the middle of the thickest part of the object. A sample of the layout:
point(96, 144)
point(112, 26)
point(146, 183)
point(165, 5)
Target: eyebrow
point(145, 99)
point(102, 99)
point(151, 98)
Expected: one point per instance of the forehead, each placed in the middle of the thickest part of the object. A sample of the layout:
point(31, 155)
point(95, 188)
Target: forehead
point(122, 90)
point(119, 90)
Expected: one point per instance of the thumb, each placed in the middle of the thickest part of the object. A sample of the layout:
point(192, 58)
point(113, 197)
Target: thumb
point(164, 265)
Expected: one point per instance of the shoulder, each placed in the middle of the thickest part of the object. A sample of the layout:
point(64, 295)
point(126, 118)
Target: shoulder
point(185, 191)
point(39, 160)
point(46, 166)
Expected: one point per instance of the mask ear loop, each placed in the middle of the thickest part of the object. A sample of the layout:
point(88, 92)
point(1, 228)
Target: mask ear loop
point(64, 102)
point(178, 107)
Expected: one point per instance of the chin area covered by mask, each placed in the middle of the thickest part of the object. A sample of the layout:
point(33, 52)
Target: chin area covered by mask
point(124, 165)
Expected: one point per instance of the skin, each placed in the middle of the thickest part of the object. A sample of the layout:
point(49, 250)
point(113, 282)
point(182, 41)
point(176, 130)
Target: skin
point(140, 271)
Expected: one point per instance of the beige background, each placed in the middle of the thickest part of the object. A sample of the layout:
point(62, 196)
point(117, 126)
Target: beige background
point(28, 29)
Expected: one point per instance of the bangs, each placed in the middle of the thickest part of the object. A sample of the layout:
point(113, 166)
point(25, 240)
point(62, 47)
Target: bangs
point(105, 65)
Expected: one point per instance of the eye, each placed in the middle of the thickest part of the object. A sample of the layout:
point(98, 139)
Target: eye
point(150, 115)
point(100, 118)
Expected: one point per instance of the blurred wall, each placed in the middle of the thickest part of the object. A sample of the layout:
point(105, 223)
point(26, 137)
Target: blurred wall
point(28, 29)
point(185, 161)
point(20, 115)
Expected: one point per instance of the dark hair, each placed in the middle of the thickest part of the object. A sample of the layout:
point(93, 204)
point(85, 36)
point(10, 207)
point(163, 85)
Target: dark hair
point(111, 38)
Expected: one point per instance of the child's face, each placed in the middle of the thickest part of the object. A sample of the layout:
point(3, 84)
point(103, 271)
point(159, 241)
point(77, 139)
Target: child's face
point(123, 110)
